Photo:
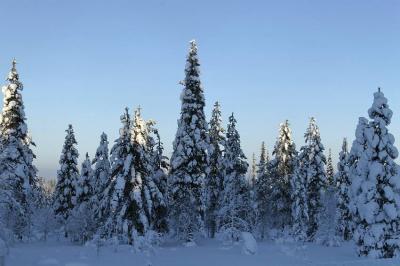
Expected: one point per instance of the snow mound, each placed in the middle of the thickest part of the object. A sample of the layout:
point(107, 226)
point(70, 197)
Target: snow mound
point(250, 246)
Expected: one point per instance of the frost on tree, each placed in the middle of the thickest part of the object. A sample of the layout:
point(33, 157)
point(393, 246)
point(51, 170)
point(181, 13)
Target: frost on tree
point(189, 161)
point(214, 182)
point(343, 213)
point(148, 207)
point(112, 205)
point(101, 175)
point(235, 213)
point(299, 197)
point(81, 224)
point(377, 187)
point(314, 166)
point(282, 172)
point(262, 192)
point(253, 172)
point(135, 202)
point(18, 175)
point(67, 177)
point(160, 164)
point(330, 172)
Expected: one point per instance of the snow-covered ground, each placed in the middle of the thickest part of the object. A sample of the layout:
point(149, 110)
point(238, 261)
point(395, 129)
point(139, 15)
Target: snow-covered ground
point(206, 253)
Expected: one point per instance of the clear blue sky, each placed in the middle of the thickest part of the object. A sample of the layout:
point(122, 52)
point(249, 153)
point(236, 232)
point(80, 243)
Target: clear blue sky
point(82, 62)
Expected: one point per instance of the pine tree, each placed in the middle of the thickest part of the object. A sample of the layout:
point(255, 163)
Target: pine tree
point(116, 196)
point(17, 171)
point(377, 187)
point(160, 167)
point(235, 212)
point(67, 177)
point(282, 171)
point(101, 175)
point(253, 172)
point(299, 197)
point(85, 189)
point(189, 159)
point(343, 214)
point(81, 223)
point(148, 203)
point(330, 172)
point(315, 176)
point(214, 182)
point(263, 192)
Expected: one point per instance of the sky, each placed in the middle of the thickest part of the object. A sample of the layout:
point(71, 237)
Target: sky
point(83, 62)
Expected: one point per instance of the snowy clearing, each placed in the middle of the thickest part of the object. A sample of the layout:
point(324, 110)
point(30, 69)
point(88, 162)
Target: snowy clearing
point(206, 252)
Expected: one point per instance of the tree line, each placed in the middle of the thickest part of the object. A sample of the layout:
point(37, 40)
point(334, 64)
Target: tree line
point(133, 194)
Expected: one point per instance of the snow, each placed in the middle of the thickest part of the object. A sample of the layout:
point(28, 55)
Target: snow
point(207, 252)
point(250, 246)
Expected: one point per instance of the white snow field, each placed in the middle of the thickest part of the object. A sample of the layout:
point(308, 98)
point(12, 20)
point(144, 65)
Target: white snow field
point(205, 253)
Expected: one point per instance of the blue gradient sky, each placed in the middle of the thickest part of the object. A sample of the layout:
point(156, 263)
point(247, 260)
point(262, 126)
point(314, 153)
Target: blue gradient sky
point(82, 62)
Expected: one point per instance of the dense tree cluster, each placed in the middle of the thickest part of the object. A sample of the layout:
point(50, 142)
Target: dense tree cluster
point(133, 194)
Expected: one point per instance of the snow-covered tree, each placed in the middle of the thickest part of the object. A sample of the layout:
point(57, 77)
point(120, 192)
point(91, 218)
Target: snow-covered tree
point(330, 172)
point(101, 174)
point(315, 174)
point(235, 212)
point(81, 223)
point(84, 188)
point(67, 177)
point(214, 182)
point(148, 203)
point(17, 172)
point(263, 192)
point(343, 214)
point(377, 187)
point(160, 166)
point(299, 197)
point(253, 172)
point(117, 193)
point(189, 161)
point(282, 172)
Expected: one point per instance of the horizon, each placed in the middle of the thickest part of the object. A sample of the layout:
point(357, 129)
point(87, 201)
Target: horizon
point(85, 71)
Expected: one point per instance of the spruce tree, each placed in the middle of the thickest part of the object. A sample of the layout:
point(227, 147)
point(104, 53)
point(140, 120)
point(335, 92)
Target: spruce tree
point(299, 197)
point(81, 223)
point(315, 176)
point(263, 192)
point(101, 174)
point(377, 187)
point(282, 171)
point(160, 167)
point(189, 158)
point(84, 188)
point(253, 172)
point(214, 182)
point(343, 213)
point(67, 177)
point(17, 171)
point(330, 172)
point(148, 205)
point(235, 213)
point(116, 196)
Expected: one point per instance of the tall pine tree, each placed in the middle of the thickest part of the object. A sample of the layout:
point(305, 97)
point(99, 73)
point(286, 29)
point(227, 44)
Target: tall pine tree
point(235, 213)
point(214, 182)
point(67, 177)
point(189, 158)
point(282, 171)
point(343, 213)
point(315, 176)
point(18, 175)
point(378, 187)
point(101, 174)
point(263, 192)
point(330, 172)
